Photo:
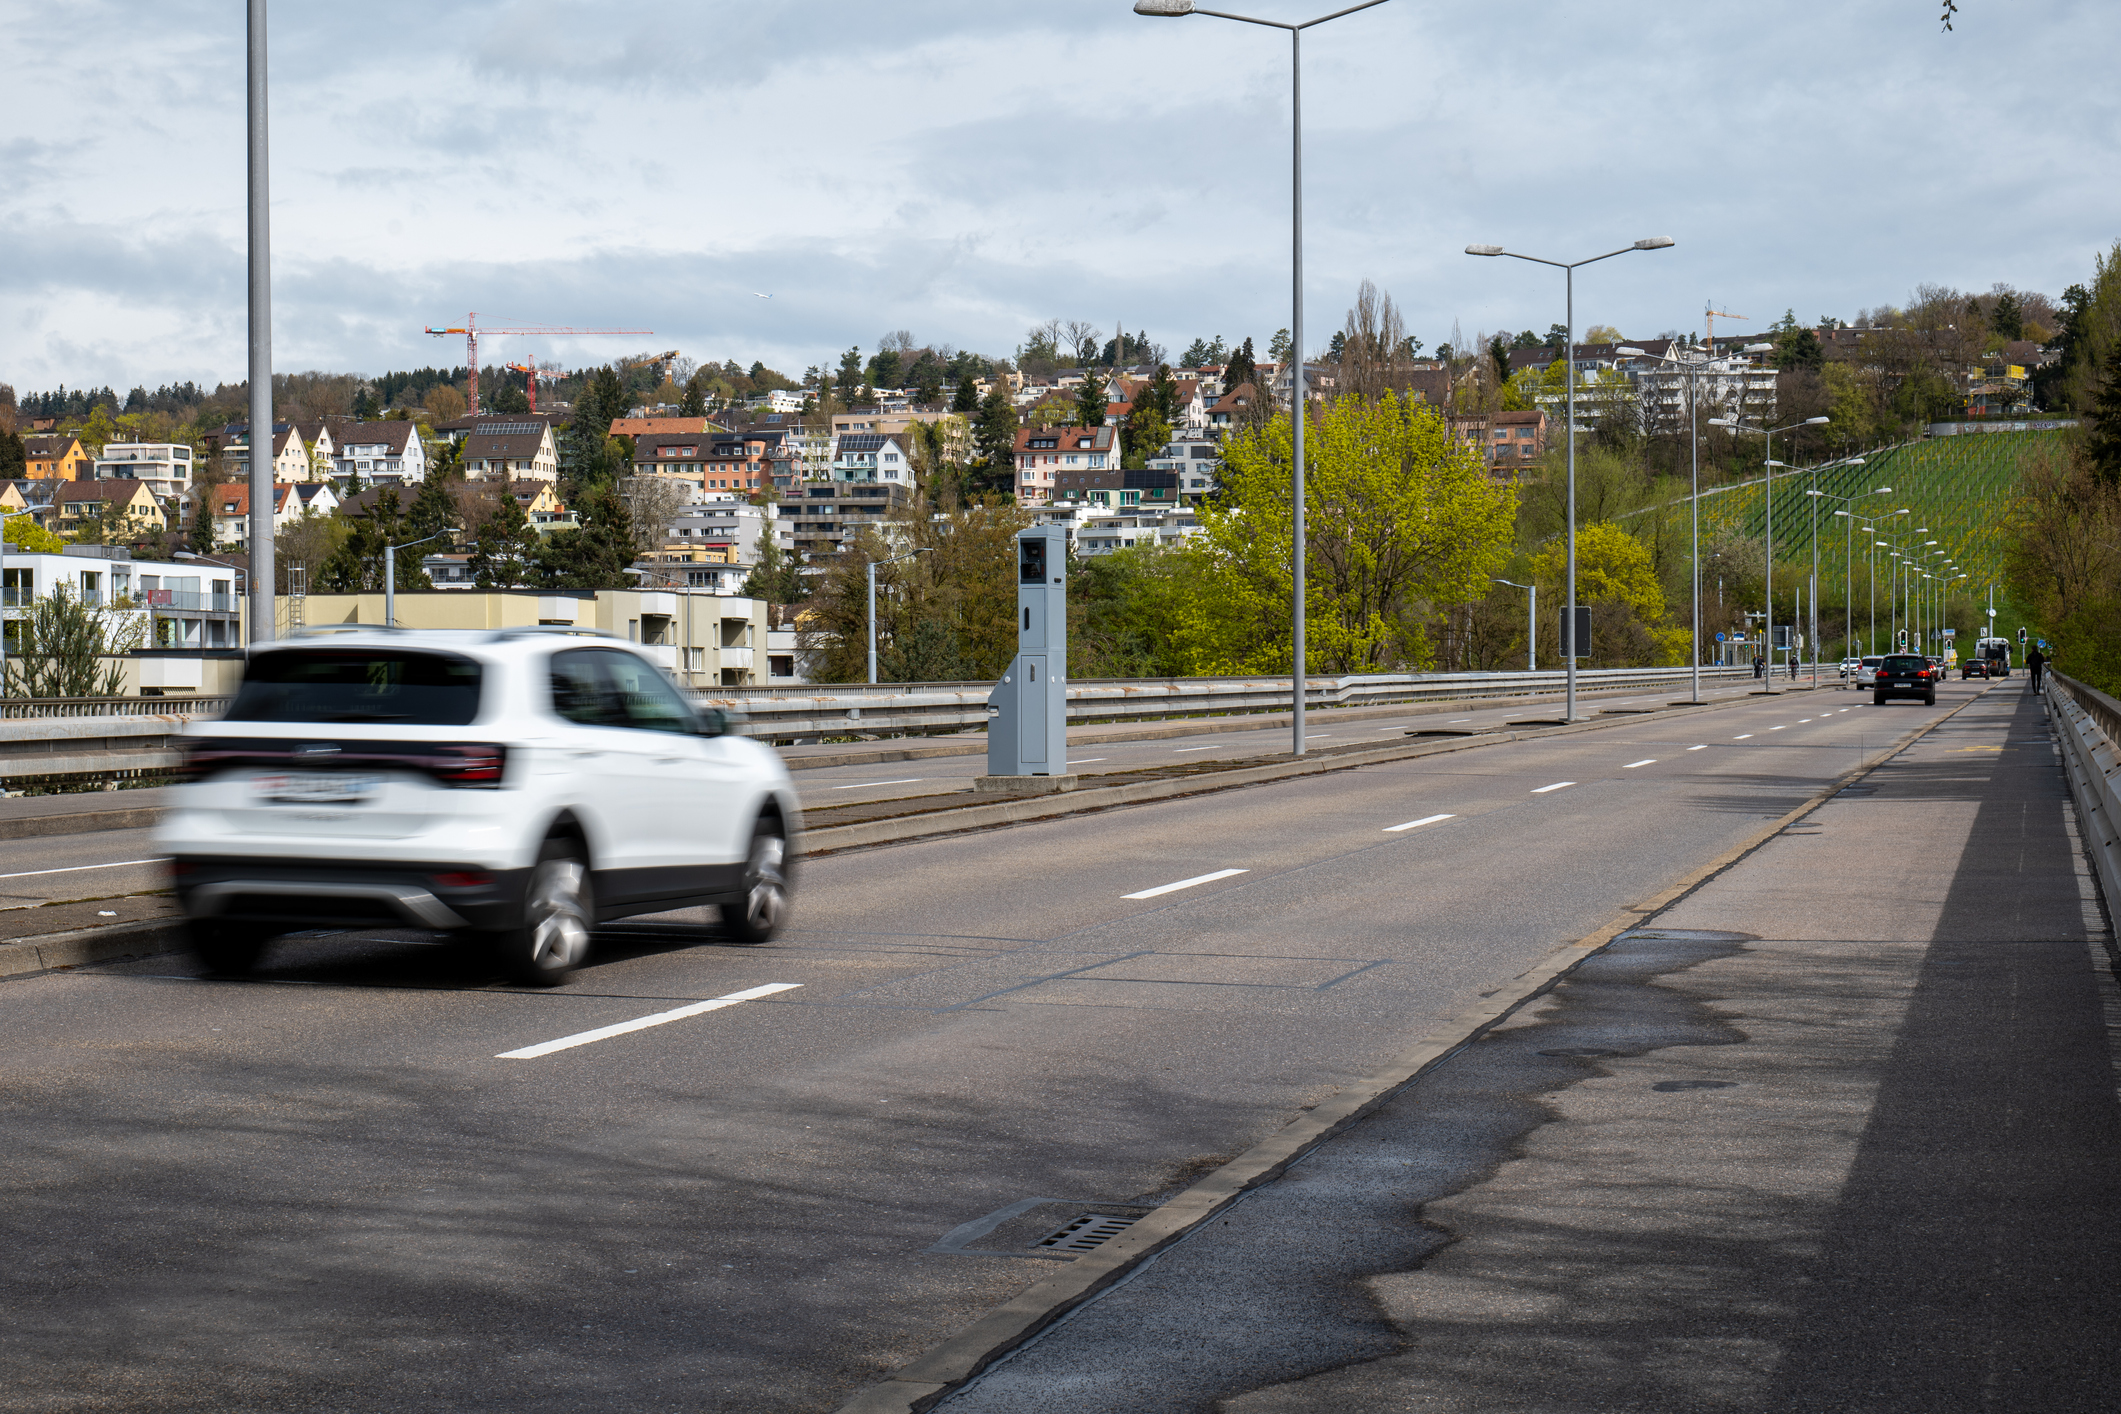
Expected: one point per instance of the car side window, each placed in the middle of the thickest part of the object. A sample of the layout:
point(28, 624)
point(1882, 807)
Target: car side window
point(582, 693)
point(646, 698)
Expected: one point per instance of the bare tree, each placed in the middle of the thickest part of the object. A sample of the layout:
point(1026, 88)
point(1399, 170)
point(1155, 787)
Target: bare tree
point(897, 341)
point(1082, 336)
point(1372, 359)
point(652, 503)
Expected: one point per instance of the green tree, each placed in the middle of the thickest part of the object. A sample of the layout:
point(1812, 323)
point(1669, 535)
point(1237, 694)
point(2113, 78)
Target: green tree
point(586, 452)
point(1279, 346)
point(356, 567)
point(1090, 402)
point(2007, 317)
point(1617, 577)
point(63, 647)
point(694, 403)
point(850, 375)
point(507, 397)
point(14, 456)
point(433, 512)
point(26, 535)
point(2102, 440)
point(1499, 354)
point(595, 556)
point(777, 578)
point(505, 548)
point(1145, 433)
point(1241, 368)
point(994, 434)
point(884, 369)
point(1400, 516)
point(967, 400)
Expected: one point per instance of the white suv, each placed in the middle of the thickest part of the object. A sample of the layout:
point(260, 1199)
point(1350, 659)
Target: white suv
point(517, 786)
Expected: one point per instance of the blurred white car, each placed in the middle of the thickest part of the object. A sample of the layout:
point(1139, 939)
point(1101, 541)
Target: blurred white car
point(517, 786)
point(1867, 670)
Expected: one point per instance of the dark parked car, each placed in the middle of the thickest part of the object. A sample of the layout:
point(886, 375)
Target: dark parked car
point(1905, 675)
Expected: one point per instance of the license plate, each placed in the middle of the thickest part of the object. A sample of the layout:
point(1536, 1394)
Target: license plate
point(317, 787)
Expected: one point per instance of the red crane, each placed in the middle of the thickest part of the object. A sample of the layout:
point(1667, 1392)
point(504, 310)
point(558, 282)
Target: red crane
point(531, 375)
point(471, 331)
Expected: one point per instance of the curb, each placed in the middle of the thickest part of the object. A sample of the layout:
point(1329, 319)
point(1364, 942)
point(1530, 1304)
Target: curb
point(956, 820)
point(947, 1367)
point(32, 827)
point(50, 951)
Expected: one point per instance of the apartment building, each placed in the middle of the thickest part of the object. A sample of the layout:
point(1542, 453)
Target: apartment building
point(164, 466)
point(1047, 455)
point(826, 517)
point(380, 453)
point(229, 505)
point(511, 449)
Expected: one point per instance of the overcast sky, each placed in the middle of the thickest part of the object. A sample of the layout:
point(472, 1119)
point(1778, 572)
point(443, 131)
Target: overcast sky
point(964, 170)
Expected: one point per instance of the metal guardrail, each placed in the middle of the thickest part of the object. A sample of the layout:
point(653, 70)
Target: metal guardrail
point(2088, 725)
point(104, 735)
point(886, 709)
point(46, 708)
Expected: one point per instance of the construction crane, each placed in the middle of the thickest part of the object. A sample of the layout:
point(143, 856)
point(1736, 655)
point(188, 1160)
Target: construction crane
point(471, 331)
point(1714, 314)
point(531, 374)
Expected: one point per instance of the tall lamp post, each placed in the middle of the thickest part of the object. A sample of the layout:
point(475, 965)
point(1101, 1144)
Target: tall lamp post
point(1848, 586)
point(872, 600)
point(262, 626)
point(390, 575)
point(1870, 638)
point(1531, 632)
point(1737, 424)
point(1570, 649)
point(1692, 373)
point(1175, 9)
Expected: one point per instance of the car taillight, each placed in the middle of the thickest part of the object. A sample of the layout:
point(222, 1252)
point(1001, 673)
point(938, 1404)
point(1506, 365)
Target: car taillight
point(475, 764)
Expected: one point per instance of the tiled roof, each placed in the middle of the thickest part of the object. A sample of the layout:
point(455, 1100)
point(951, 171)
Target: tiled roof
point(393, 437)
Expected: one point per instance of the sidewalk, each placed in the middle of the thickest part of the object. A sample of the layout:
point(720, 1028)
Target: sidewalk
point(1839, 1133)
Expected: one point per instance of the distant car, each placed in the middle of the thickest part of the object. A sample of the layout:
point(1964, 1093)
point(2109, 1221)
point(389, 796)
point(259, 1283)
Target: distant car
point(1848, 669)
point(1867, 671)
point(514, 787)
point(1905, 675)
point(1972, 668)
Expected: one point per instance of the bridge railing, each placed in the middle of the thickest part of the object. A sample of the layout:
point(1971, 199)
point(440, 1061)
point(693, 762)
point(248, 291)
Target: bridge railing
point(2088, 724)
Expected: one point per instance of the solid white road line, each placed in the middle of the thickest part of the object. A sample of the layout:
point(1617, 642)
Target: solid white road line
point(641, 1023)
point(1556, 786)
point(863, 785)
point(1086, 760)
point(1417, 824)
point(77, 868)
point(1703, 747)
point(1645, 761)
point(1187, 883)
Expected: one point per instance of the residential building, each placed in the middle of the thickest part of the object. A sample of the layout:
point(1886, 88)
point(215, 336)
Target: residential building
point(692, 567)
point(1229, 410)
point(319, 446)
point(775, 400)
point(1114, 488)
point(124, 509)
point(290, 458)
point(230, 507)
point(180, 604)
point(1514, 439)
point(706, 640)
point(449, 570)
point(1045, 453)
point(1733, 384)
point(511, 449)
point(821, 522)
point(541, 505)
point(871, 456)
point(383, 453)
point(956, 429)
point(164, 466)
point(463, 429)
point(56, 456)
point(638, 427)
point(1194, 463)
point(730, 523)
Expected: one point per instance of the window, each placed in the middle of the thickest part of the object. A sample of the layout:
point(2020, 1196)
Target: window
point(358, 685)
point(648, 700)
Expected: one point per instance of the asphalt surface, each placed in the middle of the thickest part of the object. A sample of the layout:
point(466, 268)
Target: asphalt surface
point(1837, 1132)
point(327, 1189)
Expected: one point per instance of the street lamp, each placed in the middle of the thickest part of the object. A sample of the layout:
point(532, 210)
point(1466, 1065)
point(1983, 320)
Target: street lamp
point(1570, 648)
point(1531, 633)
point(1693, 416)
point(872, 600)
point(1175, 9)
point(1848, 581)
point(1737, 424)
point(390, 575)
point(4, 516)
point(1870, 575)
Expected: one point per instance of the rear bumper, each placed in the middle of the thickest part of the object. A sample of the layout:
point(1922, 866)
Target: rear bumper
point(320, 894)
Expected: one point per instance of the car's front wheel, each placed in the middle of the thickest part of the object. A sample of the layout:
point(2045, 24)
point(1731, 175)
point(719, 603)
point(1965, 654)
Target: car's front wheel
point(232, 949)
point(756, 914)
point(558, 909)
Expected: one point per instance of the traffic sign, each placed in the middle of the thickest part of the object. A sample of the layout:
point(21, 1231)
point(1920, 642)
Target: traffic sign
point(1719, 638)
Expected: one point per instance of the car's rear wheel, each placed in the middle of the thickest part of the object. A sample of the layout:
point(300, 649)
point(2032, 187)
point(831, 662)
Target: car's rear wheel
point(558, 910)
point(1930, 700)
point(757, 914)
point(1877, 699)
point(232, 949)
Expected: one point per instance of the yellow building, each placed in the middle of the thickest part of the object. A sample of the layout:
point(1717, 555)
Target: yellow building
point(125, 508)
point(706, 640)
point(56, 456)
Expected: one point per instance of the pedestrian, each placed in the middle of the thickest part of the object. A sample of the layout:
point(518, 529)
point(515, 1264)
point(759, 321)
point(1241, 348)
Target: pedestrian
point(1757, 665)
point(1793, 667)
point(2036, 662)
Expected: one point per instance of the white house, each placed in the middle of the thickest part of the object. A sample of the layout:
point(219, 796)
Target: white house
point(164, 466)
point(871, 456)
point(729, 522)
point(230, 507)
point(186, 604)
point(380, 453)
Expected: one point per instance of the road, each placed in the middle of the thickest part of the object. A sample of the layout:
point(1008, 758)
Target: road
point(328, 1189)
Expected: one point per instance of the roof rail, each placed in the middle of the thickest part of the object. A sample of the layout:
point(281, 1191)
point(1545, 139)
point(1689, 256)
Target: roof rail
point(575, 629)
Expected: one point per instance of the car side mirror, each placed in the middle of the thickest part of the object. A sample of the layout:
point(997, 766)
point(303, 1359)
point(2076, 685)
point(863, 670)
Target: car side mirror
point(710, 721)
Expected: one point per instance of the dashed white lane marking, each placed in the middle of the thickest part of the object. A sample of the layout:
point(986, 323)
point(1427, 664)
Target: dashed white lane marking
point(642, 1023)
point(1741, 736)
point(861, 785)
point(1456, 720)
point(1556, 786)
point(1775, 729)
point(77, 868)
point(1187, 883)
point(1703, 747)
point(1198, 748)
point(1645, 761)
point(1417, 824)
point(1084, 760)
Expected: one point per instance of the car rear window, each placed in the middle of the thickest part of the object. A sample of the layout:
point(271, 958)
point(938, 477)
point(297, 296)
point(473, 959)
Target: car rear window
point(358, 685)
point(1872, 662)
point(1905, 665)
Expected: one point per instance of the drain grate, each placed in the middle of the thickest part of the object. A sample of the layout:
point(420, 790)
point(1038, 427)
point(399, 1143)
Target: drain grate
point(1086, 1232)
